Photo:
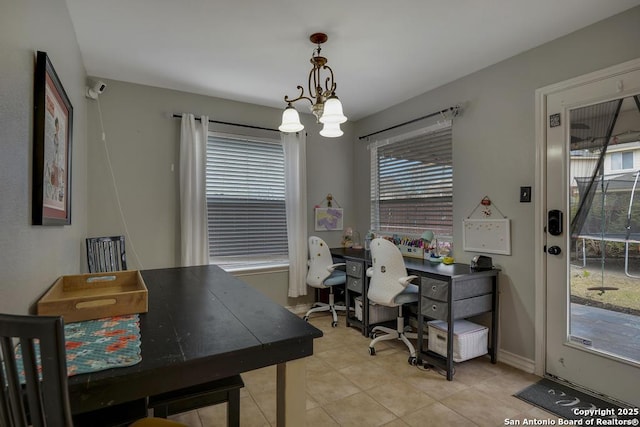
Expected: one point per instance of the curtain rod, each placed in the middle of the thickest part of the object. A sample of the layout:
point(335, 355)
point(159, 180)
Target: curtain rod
point(179, 116)
point(455, 111)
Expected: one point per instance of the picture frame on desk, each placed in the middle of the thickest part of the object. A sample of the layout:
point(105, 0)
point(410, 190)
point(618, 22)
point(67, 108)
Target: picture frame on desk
point(52, 136)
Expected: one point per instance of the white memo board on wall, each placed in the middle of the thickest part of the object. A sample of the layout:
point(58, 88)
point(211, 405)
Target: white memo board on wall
point(487, 235)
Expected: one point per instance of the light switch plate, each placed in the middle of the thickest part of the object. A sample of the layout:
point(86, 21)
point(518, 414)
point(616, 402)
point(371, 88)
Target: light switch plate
point(525, 194)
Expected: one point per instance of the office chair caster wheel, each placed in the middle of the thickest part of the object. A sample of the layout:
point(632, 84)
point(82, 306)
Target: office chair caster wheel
point(334, 324)
point(413, 361)
point(305, 318)
point(372, 351)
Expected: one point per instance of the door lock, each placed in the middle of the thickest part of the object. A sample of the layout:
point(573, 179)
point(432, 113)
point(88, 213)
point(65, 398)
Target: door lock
point(554, 222)
point(554, 250)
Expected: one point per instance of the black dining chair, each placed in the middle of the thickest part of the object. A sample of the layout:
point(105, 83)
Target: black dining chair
point(211, 393)
point(42, 398)
point(105, 254)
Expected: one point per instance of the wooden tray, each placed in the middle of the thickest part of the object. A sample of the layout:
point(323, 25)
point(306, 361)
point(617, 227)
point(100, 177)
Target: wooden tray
point(95, 295)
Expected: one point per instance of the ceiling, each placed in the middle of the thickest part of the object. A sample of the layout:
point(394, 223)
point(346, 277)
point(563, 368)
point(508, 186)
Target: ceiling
point(382, 52)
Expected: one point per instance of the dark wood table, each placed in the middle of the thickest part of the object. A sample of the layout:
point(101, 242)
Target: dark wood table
point(204, 324)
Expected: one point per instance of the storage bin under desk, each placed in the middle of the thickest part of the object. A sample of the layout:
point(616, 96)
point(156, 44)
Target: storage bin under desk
point(377, 313)
point(469, 339)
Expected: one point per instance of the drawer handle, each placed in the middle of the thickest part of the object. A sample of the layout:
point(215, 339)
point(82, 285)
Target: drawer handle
point(434, 307)
point(434, 287)
point(92, 279)
point(96, 303)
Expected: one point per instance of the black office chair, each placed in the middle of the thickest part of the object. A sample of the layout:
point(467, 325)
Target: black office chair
point(43, 399)
point(105, 254)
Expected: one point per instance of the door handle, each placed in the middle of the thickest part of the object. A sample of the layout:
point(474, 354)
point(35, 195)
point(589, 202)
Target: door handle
point(554, 250)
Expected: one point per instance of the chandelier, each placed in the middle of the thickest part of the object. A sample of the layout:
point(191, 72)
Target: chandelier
point(325, 105)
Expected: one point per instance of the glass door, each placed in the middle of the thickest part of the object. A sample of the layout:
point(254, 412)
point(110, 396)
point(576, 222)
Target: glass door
point(593, 235)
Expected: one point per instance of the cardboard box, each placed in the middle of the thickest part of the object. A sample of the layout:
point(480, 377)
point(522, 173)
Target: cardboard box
point(377, 313)
point(95, 295)
point(469, 339)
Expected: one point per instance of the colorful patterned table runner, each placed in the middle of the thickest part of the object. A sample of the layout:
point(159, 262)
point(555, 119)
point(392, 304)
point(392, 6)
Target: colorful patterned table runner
point(96, 345)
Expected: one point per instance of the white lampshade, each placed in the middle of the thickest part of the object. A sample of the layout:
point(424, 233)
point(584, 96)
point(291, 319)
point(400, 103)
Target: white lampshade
point(290, 121)
point(333, 111)
point(331, 130)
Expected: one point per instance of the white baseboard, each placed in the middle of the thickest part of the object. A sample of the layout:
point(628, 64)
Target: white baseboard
point(299, 309)
point(516, 361)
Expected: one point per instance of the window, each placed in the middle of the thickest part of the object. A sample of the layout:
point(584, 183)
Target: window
point(412, 183)
point(245, 202)
point(622, 160)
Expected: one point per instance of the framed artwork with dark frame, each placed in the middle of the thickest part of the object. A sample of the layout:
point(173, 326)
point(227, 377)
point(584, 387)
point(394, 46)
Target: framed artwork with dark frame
point(52, 134)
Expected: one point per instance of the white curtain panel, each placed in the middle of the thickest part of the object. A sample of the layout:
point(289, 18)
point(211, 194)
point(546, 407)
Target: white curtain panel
point(193, 197)
point(295, 158)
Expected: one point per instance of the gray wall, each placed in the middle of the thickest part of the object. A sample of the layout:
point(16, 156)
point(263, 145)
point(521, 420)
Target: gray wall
point(143, 144)
point(494, 149)
point(494, 152)
point(32, 257)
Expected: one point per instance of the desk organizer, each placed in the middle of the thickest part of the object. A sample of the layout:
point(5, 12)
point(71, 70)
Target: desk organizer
point(411, 251)
point(410, 245)
point(96, 295)
point(469, 339)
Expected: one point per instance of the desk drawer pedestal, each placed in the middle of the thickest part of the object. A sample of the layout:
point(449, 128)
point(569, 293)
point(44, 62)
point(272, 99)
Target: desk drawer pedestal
point(355, 292)
point(448, 300)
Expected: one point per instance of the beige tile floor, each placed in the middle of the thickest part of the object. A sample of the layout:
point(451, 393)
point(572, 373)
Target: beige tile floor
point(348, 387)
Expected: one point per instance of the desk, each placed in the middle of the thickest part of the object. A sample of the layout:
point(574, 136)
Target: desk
point(204, 324)
point(447, 292)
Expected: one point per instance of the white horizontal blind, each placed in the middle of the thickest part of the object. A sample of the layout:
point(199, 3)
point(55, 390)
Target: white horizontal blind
point(245, 202)
point(412, 183)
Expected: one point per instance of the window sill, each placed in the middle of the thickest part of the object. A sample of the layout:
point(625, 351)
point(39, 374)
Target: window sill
point(254, 269)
